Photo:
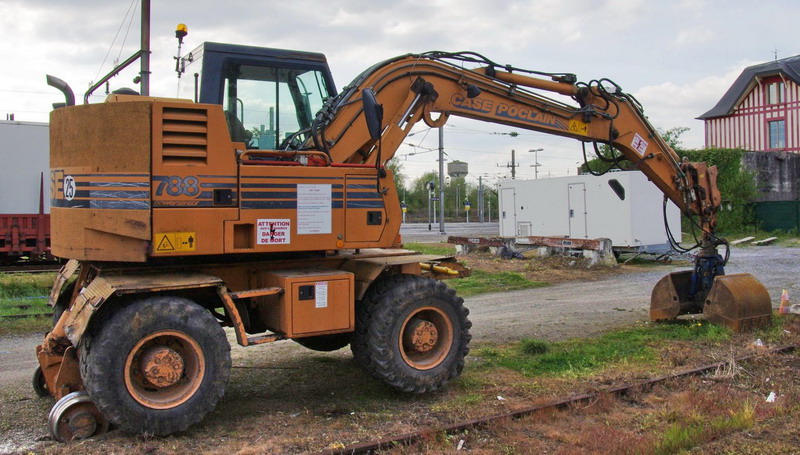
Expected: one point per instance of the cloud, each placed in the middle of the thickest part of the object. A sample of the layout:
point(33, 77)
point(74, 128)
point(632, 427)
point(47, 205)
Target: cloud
point(670, 105)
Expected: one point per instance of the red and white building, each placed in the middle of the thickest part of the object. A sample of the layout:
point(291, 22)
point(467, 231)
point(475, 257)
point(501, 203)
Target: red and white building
point(760, 112)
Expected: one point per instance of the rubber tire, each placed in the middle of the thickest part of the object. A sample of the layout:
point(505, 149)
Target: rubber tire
point(103, 353)
point(38, 383)
point(379, 318)
point(324, 343)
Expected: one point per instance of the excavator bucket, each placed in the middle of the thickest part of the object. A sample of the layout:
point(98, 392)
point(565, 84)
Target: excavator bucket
point(670, 298)
point(738, 301)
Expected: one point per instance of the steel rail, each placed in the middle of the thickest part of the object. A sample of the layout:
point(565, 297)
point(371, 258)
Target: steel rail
point(408, 438)
point(35, 268)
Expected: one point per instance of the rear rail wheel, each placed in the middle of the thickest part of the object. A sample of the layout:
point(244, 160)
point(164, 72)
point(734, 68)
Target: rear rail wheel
point(39, 384)
point(156, 366)
point(412, 333)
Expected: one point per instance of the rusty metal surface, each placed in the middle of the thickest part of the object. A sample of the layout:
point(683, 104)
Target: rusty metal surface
point(63, 276)
point(408, 438)
point(233, 314)
point(738, 301)
point(124, 283)
point(670, 297)
point(256, 293)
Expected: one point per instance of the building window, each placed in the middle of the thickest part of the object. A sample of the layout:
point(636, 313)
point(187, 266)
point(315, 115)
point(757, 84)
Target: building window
point(777, 134)
point(775, 93)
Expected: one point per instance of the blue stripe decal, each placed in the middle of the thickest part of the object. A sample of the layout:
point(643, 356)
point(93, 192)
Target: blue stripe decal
point(100, 194)
point(269, 185)
point(360, 187)
point(363, 195)
point(337, 204)
point(218, 185)
point(269, 204)
point(100, 204)
point(290, 178)
point(364, 204)
point(269, 195)
point(113, 184)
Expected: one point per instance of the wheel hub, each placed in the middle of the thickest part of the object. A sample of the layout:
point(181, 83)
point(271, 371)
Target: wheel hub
point(162, 366)
point(82, 424)
point(423, 334)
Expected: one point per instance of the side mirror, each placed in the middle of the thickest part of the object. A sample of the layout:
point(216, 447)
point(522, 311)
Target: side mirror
point(373, 113)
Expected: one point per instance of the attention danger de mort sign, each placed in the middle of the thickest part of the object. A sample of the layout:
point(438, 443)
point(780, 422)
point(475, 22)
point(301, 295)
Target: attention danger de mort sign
point(273, 232)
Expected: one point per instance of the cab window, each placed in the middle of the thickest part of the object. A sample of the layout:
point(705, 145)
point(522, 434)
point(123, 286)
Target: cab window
point(266, 106)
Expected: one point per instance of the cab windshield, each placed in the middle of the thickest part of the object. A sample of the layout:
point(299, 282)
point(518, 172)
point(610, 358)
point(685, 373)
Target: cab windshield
point(266, 106)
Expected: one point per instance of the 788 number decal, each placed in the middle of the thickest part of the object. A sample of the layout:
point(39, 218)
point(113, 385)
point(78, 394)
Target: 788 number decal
point(179, 186)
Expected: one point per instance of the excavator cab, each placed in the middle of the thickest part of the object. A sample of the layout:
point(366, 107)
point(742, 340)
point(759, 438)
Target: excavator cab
point(269, 96)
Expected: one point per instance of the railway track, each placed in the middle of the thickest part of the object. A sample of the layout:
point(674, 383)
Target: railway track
point(30, 268)
point(410, 438)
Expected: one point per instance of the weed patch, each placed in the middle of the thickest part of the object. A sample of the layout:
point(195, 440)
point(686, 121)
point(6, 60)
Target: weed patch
point(441, 249)
point(482, 282)
point(583, 356)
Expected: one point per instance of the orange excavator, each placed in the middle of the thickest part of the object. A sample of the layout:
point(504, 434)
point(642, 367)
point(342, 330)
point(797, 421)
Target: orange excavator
point(263, 203)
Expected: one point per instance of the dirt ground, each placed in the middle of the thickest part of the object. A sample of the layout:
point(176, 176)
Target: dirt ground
point(285, 399)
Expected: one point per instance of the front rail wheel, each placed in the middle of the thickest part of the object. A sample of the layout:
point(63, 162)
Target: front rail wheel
point(412, 333)
point(75, 417)
point(156, 366)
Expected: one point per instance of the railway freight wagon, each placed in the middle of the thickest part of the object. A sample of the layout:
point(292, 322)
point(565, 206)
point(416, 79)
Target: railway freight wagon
point(24, 190)
point(622, 206)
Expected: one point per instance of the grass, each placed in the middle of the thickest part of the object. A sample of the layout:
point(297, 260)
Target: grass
point(685, 435)
point(581, 357)
point(482, 282)
point(24, 294)
point(431, 248)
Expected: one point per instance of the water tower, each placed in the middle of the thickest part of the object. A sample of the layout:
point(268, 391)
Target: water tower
point(456, 169)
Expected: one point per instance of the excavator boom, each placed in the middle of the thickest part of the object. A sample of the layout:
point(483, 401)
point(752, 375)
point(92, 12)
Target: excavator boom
point(432, 86)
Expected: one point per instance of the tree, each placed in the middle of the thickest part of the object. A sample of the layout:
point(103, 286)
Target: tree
point(671, 136)
point(396, 167)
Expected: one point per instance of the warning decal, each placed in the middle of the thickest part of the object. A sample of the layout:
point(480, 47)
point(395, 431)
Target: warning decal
point(273, 232)
point(172, 242)
point(639, 144)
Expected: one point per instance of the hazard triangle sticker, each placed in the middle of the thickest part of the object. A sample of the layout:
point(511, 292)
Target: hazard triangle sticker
point(165, 244)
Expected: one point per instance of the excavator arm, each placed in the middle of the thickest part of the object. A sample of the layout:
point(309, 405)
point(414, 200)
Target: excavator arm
point(432, 86)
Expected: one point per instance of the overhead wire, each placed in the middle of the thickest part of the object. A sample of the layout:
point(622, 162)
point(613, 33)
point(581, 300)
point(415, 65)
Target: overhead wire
point(111, 46)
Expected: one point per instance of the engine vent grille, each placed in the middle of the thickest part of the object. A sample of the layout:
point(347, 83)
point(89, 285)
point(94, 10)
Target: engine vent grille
point(184, 135)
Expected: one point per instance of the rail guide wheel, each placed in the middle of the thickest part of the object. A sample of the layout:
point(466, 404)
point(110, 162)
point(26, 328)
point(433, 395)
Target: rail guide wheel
point(75, 417)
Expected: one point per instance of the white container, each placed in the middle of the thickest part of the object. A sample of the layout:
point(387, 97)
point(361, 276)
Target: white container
point(24, 156)
point(585, 206)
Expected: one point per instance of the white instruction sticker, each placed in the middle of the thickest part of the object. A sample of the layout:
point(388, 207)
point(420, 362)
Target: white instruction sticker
point(273, 232)
point(321, 293)
point(639, 144)
point(313, 208)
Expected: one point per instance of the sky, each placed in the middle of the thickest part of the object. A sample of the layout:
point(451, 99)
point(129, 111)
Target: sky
point(677, 57)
